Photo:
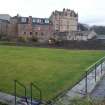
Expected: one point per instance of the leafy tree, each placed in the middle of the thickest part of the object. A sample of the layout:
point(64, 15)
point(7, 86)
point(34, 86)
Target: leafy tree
point(100, 30)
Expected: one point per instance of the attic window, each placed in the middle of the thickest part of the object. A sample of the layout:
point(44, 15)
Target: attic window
point(34, 20)
point(46, 21)
point(23, 19)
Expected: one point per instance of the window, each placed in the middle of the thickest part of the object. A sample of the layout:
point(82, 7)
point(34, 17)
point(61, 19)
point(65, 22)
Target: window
point(42, 33)
point(38, 20)
point(42, 21)
point(34, 20)
point(65, 14)
point(24, 33)
point(23, 19)
point(46, 21)
point(30, 33)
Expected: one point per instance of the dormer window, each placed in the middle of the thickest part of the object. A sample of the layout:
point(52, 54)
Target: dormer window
point(34, 20)
point(46, 21)
point(23, 19)
point(38, 20)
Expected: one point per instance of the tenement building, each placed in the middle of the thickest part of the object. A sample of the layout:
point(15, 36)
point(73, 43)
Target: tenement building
point(64, 21)
point(61, 25)
point(41, 28)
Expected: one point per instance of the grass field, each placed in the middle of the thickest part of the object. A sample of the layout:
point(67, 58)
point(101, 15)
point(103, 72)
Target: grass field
point(54, 70)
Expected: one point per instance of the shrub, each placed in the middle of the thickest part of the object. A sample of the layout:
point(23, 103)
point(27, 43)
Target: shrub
point(34, 38)
point(23, 38)
point(2, 104)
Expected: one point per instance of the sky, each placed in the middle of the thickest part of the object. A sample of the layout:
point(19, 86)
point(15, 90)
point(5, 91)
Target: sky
point(91, 12)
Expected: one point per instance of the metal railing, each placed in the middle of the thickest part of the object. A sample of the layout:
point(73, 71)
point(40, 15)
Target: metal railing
point(16, 82)
point(93, 68)
point(33, 85)
point(24, 96)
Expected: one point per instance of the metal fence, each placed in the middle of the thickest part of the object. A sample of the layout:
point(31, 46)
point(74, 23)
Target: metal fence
point(16, 82)
point(95, 72)
point(24, 99)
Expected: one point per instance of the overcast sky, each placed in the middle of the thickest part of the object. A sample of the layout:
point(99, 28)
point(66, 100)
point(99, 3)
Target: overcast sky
point(91, 12)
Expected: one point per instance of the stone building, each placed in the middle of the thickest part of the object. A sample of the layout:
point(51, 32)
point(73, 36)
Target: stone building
point(62, 25)
point(5, 17)
point(4, 22)
point(75, 35)
point(65, 26)
point(64, 21)
point(8, 29)
point(41, 28)
point(4, 27)
point(13, 28)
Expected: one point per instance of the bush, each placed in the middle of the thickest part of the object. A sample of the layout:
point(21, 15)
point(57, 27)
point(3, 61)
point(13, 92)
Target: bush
point(34, 39)
point(2, 104)
point(3, 37)
point(23, 38)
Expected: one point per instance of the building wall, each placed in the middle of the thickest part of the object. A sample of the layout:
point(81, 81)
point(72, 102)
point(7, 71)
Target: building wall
point(24, 29)
point(64, 21)
point(3, 27)
point(5, 17)
point(76, 35)
point(40, 30)
point(13, 28)
point(81, 35)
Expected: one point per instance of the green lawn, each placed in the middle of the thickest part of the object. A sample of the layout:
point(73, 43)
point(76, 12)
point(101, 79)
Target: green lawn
point(54, 70)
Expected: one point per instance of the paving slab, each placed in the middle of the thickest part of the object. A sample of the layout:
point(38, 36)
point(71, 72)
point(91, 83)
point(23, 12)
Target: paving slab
point(98, 93)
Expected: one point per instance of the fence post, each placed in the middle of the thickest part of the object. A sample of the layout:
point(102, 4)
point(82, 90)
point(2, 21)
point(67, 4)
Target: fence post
point(31, 92)
point(38, 89)
point(15, 90)
point(86, 83)
point(101, 66)
point(95, 73)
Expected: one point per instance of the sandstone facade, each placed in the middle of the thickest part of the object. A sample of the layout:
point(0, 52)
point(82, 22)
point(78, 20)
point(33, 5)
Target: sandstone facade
point(64, 21)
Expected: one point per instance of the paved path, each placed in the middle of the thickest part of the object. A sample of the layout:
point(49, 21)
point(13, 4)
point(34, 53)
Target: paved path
point(98, 93)
point(7, 99)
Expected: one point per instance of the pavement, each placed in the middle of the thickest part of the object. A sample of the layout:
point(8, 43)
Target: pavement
point(7, 99)
point(98, 94)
